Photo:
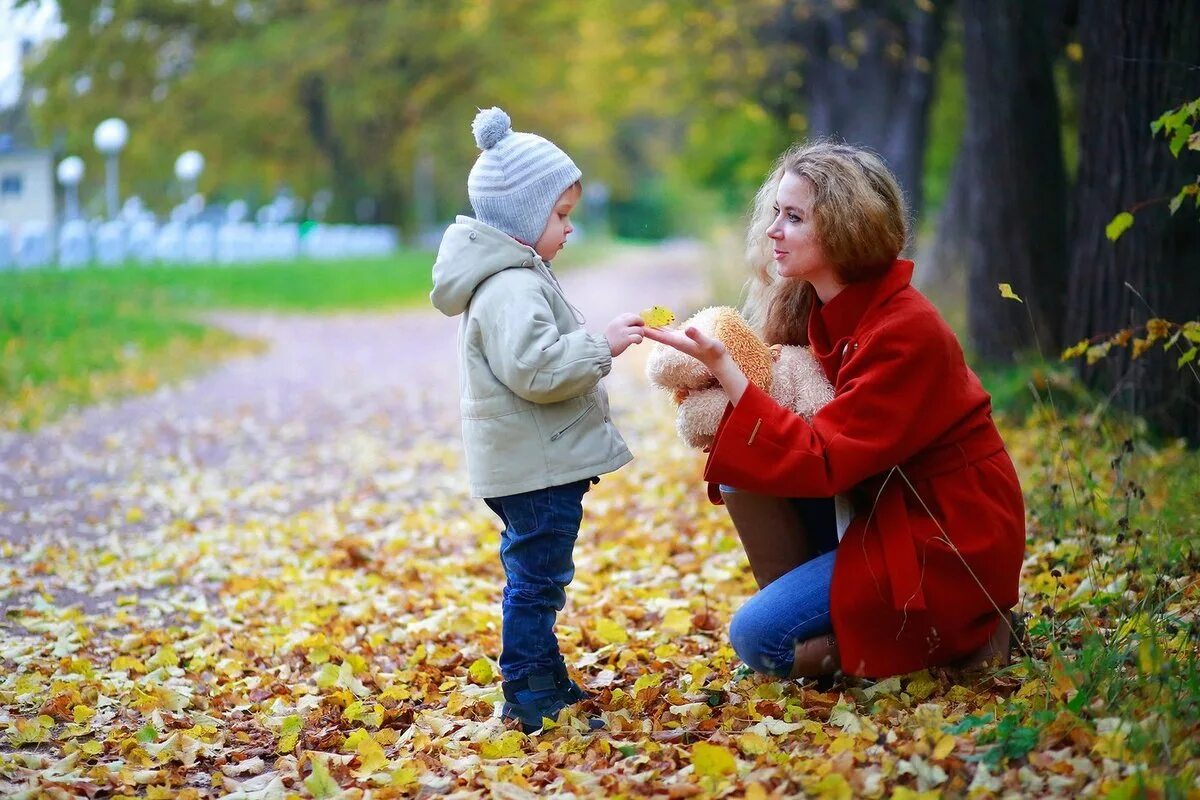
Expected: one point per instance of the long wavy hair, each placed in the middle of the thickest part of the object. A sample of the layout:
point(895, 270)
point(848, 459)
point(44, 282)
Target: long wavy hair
point(860, 219)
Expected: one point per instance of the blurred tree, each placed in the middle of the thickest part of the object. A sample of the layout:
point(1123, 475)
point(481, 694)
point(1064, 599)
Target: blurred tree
point(1012, 178)
point(860, 70)
point(1139, 60)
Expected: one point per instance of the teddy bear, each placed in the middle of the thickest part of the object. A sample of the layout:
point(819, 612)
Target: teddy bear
point(788, 373)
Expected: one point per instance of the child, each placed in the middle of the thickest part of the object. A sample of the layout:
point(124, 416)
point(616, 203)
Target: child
point(535, 419)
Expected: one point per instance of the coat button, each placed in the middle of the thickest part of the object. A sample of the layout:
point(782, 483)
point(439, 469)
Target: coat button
point(473, 235)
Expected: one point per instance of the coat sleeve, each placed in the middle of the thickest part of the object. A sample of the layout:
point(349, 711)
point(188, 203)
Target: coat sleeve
point(529, 354)
point(891, 402)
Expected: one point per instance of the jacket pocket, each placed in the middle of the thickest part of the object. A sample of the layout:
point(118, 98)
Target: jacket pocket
point(578, 418)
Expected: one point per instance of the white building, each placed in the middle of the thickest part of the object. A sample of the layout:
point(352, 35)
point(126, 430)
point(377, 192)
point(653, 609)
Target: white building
point(26, 184)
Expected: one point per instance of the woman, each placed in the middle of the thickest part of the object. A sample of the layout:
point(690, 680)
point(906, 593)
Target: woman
point(904, 465)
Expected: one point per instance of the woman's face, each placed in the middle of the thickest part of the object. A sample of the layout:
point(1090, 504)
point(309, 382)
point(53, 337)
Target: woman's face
point(798, 252)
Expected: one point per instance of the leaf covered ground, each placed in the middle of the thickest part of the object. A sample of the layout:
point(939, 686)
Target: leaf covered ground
point(322, 620)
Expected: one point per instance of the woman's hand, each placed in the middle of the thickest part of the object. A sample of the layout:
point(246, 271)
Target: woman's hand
point(691, 342)
point(708, 351)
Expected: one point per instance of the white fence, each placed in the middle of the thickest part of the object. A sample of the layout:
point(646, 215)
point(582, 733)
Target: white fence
point(78, 243)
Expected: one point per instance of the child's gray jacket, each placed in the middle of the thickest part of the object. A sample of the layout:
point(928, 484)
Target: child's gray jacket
point(533, 411)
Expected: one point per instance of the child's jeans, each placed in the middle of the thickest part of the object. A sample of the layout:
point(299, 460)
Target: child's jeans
point(540, 528)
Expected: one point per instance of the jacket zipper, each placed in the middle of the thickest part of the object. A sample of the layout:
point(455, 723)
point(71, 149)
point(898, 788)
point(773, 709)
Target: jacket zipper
point(573, 422)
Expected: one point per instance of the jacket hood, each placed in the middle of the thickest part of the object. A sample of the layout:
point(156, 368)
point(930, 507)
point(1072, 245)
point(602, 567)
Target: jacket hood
point(470, 253)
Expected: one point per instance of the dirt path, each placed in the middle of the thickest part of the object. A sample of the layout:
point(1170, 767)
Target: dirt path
point(286, 427)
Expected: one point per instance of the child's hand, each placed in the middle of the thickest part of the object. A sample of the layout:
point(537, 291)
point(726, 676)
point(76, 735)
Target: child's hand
point(623, 331)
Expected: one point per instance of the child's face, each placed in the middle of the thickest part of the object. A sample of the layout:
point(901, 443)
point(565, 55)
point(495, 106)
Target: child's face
point(558, 227)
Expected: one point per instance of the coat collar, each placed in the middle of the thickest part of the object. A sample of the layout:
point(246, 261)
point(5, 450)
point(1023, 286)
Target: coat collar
point(832, 326)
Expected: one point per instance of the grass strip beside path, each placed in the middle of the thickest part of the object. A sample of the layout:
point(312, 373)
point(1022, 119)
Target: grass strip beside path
point(73, 337)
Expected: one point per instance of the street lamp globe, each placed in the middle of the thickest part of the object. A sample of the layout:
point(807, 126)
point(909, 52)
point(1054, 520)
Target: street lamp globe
point(110, 136)
point(188, 166)
point(70, 171)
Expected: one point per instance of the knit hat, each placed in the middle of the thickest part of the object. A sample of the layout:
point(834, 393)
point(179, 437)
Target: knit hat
point(517, 178)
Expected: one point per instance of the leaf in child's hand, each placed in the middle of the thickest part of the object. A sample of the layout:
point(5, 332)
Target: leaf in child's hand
point(657, 316)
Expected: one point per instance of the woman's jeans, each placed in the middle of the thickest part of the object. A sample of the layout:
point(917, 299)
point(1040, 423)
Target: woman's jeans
point(794, 606)
point(540, 528)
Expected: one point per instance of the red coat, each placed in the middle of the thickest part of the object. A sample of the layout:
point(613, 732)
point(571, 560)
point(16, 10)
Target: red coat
point(936, 545)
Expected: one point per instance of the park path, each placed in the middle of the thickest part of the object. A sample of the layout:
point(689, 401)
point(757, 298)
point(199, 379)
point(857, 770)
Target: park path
point(286, 425)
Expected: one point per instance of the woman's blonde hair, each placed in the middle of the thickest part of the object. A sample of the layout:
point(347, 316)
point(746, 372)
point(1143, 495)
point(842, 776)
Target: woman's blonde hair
point(860, 220)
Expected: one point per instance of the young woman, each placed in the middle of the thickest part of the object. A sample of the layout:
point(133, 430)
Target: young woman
point(888, 534)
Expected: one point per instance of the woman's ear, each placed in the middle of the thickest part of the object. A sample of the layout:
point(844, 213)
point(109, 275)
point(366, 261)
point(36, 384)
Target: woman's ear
point(776, 352)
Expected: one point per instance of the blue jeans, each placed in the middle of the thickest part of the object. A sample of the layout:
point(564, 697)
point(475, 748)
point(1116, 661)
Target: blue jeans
point(540, 528)
point(794, 607)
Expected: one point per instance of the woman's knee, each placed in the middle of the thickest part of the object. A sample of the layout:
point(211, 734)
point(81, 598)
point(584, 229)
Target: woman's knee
point(756, 639)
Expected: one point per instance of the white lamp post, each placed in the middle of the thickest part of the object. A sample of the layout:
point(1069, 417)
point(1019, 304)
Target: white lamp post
point(70, 173)
point(188, 167)
point(110, 137)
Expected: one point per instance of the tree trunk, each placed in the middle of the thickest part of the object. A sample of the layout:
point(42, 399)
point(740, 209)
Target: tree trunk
point(1139, 60)
point(1016, 182)
point(867, 77)
point(947, 257)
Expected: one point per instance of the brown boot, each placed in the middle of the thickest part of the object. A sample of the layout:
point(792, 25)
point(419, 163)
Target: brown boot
point(771, 531)
point(816, 657)
point(997, 651)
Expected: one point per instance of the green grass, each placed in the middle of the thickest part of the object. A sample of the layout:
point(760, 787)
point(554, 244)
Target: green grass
point(72, 337)
point(1110, 581)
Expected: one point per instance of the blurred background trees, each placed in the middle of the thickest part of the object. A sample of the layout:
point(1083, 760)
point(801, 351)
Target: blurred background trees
point(1018, 129)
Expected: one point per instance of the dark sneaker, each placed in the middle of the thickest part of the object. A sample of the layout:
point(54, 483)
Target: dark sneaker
point(531, 699)
point(572, 691)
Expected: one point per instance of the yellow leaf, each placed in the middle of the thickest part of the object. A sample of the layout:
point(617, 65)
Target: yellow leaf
point(904, 793)
point(657, 316)
point(92, 748)
point(1008, 294)
point(832, 786)
point(1077, 350)
point(370, 755)
point(712, 760)
point(509, 744)
point(165, 657)
point(677, 621)
point(1157, 329)
point(943, 748)
point(480, 671)
point(320, 783)
point(611, 632)
point(920, 685)
point(754, 744)
point(841, 744)
point(646, 681)
point(1119, 224)
point(756, 791)
point(128, 663)
point(83, 713)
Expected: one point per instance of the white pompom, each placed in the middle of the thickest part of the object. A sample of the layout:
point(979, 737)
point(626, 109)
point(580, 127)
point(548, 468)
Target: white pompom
point(490, 126)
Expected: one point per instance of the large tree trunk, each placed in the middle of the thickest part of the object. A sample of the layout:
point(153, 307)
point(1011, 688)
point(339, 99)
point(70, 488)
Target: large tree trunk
point(1139, 60)
point(1016, 182)
point(867, 77)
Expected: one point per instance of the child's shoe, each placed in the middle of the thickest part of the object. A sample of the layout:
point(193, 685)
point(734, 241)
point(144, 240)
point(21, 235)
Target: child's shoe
point(532, 698)
point(571, 691)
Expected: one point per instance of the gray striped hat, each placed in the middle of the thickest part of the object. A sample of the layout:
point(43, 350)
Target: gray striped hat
point(517, 178)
